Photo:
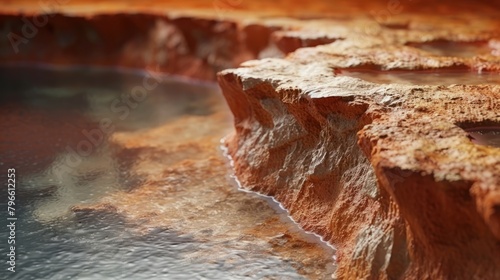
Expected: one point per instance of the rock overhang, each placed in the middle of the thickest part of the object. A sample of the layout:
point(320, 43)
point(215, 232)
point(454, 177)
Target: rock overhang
point(413, 134)
point(411, 119)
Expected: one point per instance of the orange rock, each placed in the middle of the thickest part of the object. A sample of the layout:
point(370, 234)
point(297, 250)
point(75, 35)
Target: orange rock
point(383, 169)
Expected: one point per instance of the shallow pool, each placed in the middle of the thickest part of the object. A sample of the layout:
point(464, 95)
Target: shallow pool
point(423, 77)
point(120, 176)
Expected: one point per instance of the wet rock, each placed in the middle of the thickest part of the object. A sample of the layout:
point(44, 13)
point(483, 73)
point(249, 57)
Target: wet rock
point(385, 170)
point(382, 169)
point(198, 39)
point(164, 181)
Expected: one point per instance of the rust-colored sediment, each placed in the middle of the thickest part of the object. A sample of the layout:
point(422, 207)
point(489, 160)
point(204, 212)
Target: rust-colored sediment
point(385, 172)
point(170, 175)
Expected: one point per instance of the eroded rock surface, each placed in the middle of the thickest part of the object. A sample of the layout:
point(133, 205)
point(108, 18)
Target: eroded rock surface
point(384, 171)
point(89, 195)
point(199, 38)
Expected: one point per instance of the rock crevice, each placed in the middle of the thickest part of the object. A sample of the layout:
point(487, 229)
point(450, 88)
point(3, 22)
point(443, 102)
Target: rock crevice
point(382, 171)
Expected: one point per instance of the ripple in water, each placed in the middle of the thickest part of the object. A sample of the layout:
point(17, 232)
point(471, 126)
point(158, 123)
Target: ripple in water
point(44, 122)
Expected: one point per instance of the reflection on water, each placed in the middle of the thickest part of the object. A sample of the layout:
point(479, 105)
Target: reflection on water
point(66, 111)
point(100, 246)
point(456, 49)
point(116, 187)
point(488, 136)
point(423, 77)
point(94, 177)
point(131, 100)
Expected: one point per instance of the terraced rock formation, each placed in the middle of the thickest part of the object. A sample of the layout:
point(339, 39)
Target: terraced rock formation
point(374, 123)
point(383, 166)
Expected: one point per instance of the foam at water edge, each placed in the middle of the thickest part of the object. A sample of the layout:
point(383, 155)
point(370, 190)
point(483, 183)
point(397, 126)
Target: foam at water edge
point(233, 176)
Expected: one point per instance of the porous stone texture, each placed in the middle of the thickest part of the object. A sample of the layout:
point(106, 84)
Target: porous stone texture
point(157, 167)
point(199, 38)
point(385, 172)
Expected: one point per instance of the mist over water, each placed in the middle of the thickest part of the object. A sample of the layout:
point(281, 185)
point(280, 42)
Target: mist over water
point(46, 116)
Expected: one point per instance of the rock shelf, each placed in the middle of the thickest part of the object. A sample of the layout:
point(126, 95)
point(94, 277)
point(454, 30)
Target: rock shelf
point(401, 174)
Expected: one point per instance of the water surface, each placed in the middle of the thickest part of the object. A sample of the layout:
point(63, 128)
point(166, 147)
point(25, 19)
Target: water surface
point(456, 49)
point(112, 186)
point(423, 77)
point(487, 136)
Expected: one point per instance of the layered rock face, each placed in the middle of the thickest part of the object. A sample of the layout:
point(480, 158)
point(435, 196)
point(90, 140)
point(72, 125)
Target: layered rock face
point(381, 165)
point(193, 38)
point(360, 132)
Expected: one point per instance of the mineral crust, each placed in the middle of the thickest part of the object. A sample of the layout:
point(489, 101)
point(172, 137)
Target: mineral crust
point(384, 171)
point(381, 168)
